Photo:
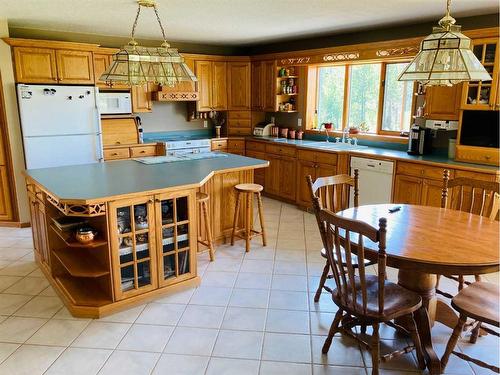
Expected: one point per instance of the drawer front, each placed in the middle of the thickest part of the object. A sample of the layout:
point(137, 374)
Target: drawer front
point(239, 115)
point(476, 175)
point(420, 170)
point(482, 156)
point(281, 150)
point(142, 151)
point(256, 146)
point(236, 144)
point(307, 155)
point(240, 131)
point(239, 123)
point(117, 153)
point(219, 144)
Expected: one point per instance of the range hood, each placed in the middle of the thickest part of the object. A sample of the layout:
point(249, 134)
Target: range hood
point(181, 92)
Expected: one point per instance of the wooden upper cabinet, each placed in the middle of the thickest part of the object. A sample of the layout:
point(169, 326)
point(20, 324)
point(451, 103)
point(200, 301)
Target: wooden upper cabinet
point(443, 102)
point(101, 63)
point(257, 89)
point(238, 81)
point(268, 86)
point(35, 65)
point(219, 85)
point(203, 71)
point(75, 67)
point(141, 98)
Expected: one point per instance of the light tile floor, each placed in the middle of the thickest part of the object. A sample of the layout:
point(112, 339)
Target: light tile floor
point(253, 314)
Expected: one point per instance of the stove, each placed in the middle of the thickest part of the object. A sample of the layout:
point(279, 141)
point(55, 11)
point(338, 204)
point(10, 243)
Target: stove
point(187, 146)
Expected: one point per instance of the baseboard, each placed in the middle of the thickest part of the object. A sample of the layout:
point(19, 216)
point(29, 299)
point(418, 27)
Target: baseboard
point(15, 224)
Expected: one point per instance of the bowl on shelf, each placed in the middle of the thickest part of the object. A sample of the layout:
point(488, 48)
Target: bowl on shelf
point(85, 235)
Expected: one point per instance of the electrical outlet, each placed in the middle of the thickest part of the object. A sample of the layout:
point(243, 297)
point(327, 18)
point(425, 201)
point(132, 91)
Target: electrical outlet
point(299, 122)
point(205, 123)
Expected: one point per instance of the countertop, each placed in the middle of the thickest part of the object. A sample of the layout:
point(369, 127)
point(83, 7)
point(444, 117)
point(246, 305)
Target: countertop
point(441, 160)
point(101, 181)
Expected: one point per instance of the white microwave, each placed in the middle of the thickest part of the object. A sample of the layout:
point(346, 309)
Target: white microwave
point(115, 103)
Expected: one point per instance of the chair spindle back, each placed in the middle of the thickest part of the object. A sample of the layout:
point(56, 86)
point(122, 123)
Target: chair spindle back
point(470, 195)
point(334, 191)
point(341, 233)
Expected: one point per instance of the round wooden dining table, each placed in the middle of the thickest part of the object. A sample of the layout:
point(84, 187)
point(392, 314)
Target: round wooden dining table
point(423, 242)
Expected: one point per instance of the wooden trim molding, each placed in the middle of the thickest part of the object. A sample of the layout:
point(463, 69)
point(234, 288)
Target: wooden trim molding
point(38, 43)
point(367, 51)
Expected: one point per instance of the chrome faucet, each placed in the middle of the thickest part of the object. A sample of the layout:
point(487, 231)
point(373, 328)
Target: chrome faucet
point(327, 135)
point(345, 135)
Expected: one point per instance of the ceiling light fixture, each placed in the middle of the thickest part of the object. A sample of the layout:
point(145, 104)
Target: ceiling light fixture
point(445, 57)
point(135, 64)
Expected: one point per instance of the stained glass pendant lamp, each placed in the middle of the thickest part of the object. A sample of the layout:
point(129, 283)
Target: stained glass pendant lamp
point(445, 57)
point(135, 64)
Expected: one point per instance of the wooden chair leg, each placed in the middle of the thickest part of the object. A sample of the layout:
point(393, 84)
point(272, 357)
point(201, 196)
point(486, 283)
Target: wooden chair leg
point(236, 214)
point(475, 333)
point(452, 342)
point(460, 282)
point(322, 282)
point(477, 278)
point(248, 222)
point(375, 349)
point(333, 329)
point(261, 218)
point(208, 230)
point(438, 279)
point(412, 327)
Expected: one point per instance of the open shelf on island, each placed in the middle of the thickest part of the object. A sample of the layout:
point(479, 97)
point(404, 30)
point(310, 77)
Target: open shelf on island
point(83, 291)
point(79, 264)
point(70, 241)
point(287, 77)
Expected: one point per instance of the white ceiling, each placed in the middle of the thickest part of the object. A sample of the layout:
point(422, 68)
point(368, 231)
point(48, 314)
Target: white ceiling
point(231, 22)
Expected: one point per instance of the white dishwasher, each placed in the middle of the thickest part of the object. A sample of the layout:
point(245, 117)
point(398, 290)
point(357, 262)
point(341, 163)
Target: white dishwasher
point(375, 180)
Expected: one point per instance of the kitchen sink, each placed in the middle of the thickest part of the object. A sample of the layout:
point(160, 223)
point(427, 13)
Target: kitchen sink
point(336, 146)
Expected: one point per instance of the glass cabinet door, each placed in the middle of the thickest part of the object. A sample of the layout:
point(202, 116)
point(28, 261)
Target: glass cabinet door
point(479, 94)
point(133, 244)
point(175, 238)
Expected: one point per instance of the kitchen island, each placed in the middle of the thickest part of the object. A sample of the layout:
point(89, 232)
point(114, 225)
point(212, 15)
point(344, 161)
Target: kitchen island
point(146, 220)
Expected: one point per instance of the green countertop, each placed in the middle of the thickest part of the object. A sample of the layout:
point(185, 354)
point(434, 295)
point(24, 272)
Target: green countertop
point(381, 152)
point(92, 182)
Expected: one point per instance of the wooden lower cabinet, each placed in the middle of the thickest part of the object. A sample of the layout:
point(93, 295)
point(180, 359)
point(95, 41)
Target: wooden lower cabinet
point(152, 242)
point(280, 177)
point(407, 189)
point(304, 169)
point(6, 212)
point(39, 229)
point(432, 191)
point(259, 174)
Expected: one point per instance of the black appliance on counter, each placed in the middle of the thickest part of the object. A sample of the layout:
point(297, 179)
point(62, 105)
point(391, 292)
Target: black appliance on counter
point(420, 140)
point(480, 129)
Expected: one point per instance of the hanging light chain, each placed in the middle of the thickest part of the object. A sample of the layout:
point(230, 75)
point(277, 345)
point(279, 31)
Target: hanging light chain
point(161, 26)
point(136, 21)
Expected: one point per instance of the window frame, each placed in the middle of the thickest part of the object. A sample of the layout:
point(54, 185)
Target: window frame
point(380, 111)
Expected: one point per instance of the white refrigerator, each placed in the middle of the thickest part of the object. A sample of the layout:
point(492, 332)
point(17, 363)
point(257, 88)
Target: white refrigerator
point(60, 125)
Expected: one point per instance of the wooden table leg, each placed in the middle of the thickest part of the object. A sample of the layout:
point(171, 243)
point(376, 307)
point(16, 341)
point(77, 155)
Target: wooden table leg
point(425, 285)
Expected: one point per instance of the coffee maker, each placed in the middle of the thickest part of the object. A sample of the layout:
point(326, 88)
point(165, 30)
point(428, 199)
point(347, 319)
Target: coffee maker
point(420, 140)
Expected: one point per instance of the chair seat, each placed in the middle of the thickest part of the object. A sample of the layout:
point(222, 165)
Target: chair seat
point(202, 197)
point(354, 258)
point(398, 301)
point(479, 301)
point(249, 188)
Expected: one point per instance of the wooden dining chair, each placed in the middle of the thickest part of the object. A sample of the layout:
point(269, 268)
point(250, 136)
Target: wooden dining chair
point(365, 299)
point(476, 197)
point(473, 196)
point(480, 302)
point(333, 193)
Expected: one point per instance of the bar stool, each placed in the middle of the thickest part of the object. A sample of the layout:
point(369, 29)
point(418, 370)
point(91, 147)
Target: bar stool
point(248, 232)
point(202, 200)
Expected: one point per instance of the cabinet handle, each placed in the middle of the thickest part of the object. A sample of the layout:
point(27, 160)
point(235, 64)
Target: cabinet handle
point(60, 79)
point(150, 200)
point(487, 157)
point(118, 143)
point(143, 152)
point(114, 154)
point(157, 200)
